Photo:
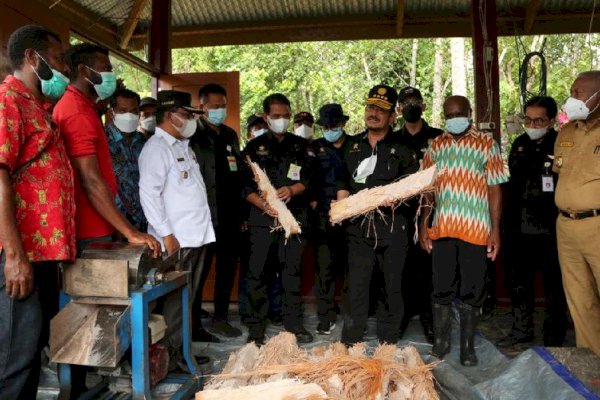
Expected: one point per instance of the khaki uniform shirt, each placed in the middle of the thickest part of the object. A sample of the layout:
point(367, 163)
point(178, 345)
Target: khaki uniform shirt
point(577, 162)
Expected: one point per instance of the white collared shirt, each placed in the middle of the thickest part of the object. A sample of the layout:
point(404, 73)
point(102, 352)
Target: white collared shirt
point(172, 191)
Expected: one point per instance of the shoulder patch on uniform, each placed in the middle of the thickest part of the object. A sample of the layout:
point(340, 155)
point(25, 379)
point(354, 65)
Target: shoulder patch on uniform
point(262, 151)
point(566, 144)
point(520, 149)
point(393, 151)
point(321, 149)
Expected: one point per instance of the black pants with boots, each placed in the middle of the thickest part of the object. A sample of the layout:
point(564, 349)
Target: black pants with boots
point(459, 271)
point(529, 254)
point(388, 254)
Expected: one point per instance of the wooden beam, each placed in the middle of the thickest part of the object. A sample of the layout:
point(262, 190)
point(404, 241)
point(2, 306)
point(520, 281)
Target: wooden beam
point(485, 60)
point(88, 27)
point(131, 23)
point(400, 18)
point(160, 36)
point(530, 14)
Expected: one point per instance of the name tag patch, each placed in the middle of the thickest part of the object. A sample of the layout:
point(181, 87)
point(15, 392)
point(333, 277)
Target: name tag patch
point(566, 144)
point(547, 184)
point(294, 172)
point(233, 167)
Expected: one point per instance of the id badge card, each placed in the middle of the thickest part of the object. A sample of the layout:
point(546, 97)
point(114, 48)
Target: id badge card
point(547, 183)
point(294, 172)
point(233, 167)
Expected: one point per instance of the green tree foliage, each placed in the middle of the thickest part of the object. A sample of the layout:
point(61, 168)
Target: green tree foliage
point(314, 73)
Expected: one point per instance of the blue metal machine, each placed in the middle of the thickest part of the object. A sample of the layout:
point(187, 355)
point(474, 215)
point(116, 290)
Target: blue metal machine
point(147, 280)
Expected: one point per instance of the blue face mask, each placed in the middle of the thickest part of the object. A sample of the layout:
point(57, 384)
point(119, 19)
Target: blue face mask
point(54, 87)
point(457, 125)
point(332, 135)
point(216, 116)
point(107, 87)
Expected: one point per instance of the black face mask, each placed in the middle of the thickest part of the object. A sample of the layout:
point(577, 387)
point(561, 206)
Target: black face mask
point(412, 113)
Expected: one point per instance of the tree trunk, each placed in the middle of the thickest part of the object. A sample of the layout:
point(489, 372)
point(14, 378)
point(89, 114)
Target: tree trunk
point(459, 73)
point(413, 64)
point(438, 94)
point(366, 67)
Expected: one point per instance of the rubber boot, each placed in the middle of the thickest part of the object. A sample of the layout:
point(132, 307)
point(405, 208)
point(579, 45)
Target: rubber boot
point(468, 320)
point(442, 321)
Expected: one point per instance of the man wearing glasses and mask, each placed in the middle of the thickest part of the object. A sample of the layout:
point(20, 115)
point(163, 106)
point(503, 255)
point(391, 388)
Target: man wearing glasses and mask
point(530, 226)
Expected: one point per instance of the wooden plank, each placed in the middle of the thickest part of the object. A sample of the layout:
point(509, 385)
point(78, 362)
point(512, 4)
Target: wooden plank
point(400, 18)
point(97, 278)
point(277, 390)
point(92, 335)
point(131, 23)
point(530, 14)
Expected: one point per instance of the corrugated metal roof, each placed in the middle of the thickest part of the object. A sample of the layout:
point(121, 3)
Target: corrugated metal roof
point(188, 13)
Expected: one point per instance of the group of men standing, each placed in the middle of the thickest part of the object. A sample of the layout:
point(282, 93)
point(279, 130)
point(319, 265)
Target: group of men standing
point(157, 174)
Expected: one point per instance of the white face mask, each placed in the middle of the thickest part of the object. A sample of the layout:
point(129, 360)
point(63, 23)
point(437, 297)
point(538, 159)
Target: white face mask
point(365, 169)
point(259, 132)
point(536, 133)
point(127, 122)
point(304, 131)
point(148, 124)
point(188, 128)
point(279, 125)
point(577, 110)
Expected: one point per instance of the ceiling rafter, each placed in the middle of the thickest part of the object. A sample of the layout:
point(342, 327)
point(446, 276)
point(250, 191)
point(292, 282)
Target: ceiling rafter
point(131, 22)
point(530, 14)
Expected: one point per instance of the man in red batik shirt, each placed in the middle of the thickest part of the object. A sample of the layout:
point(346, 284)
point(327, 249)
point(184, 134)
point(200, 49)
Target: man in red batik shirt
point(36, 206)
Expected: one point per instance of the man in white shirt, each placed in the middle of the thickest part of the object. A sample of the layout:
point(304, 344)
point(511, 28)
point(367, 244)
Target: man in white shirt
point(173, 196)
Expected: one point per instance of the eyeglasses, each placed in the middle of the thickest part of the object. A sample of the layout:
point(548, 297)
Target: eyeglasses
point(535, 121)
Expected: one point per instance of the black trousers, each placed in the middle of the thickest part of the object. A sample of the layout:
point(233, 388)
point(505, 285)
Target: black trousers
point(275, 290)
point(25, 331)
point(528, 254)
point(459, 270)
point(416, 283)
point(227, 250)
point(331, 251)
point(289, 254)
point(365, 254)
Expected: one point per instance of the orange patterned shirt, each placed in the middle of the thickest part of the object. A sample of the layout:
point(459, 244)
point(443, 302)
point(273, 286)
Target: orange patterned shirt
point(471, 163)
point(43, 189)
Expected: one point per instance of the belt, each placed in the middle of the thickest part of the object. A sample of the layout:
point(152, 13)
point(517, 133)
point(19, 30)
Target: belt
point(580, 214)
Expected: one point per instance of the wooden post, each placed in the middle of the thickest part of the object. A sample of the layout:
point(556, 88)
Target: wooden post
point(160, 40)
point(485, 60)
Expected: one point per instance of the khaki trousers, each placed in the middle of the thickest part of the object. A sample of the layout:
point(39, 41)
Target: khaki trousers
point(579, 256)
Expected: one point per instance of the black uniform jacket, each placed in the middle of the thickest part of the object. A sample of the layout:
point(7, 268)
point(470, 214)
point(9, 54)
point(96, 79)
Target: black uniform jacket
point(286, 163)
point(219, 156)
point(530, 209)
point(394, 161)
